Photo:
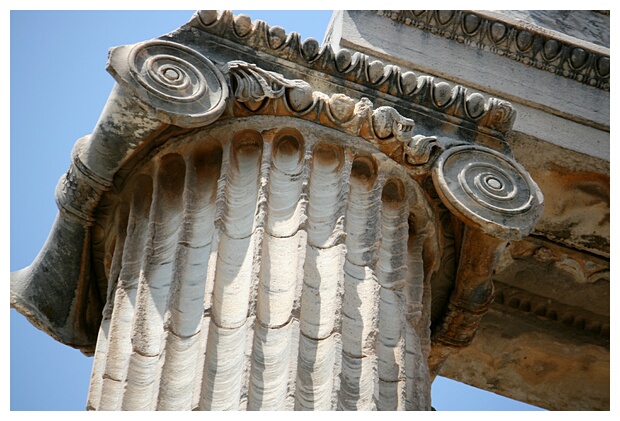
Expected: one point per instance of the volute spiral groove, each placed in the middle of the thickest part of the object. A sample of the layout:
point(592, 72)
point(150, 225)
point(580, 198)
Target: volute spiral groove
point(184, 87)
point(488, 190)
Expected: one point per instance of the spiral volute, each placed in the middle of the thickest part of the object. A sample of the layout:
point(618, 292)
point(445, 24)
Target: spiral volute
point(488, 190)
point(182, 85)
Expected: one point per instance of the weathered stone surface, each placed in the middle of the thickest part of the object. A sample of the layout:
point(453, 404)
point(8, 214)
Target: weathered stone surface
point(420, 47)
point(577, 192)
point(278, 287)
point(575, 57)
point(588, 25)
point(552, 66)
point(534, 362)
point(269, 225)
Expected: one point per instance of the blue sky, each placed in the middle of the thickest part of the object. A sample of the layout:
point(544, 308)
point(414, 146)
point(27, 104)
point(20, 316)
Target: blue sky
point(58, 88)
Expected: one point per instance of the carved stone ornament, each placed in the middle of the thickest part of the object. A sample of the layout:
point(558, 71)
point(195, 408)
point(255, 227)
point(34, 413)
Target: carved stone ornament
point(264, 92)
point(253, 84)
point(488, 190)
point(242, 240)
point(420, 91)
point(519, 43)
point(183, 86)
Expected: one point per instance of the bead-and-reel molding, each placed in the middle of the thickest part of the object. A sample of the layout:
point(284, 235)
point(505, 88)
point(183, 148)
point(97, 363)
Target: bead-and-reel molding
point(298, 253)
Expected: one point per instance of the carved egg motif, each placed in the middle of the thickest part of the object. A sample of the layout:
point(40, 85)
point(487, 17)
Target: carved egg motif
point(299, 98)
point(277, 37)
point(409, 82)
point(343, 60)
point(603, 66)
point(474, 105)
point(578, 58)
point(442, 94)
point(254, 105)
point(341, 107)
point(382, 122)
point(375, 71)
point(524, 40)
point(242, 25)
point(497, 32)
point(471, 23)
point(207, 17)
point(551, 49)
point(310, 49)
point(444, 16)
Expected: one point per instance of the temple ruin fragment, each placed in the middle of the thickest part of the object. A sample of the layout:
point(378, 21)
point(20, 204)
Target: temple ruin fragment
point(258, 222)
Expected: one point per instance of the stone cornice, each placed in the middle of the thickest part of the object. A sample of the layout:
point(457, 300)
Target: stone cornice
point(550, 310)
point(526, 43)
point(490, 115)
